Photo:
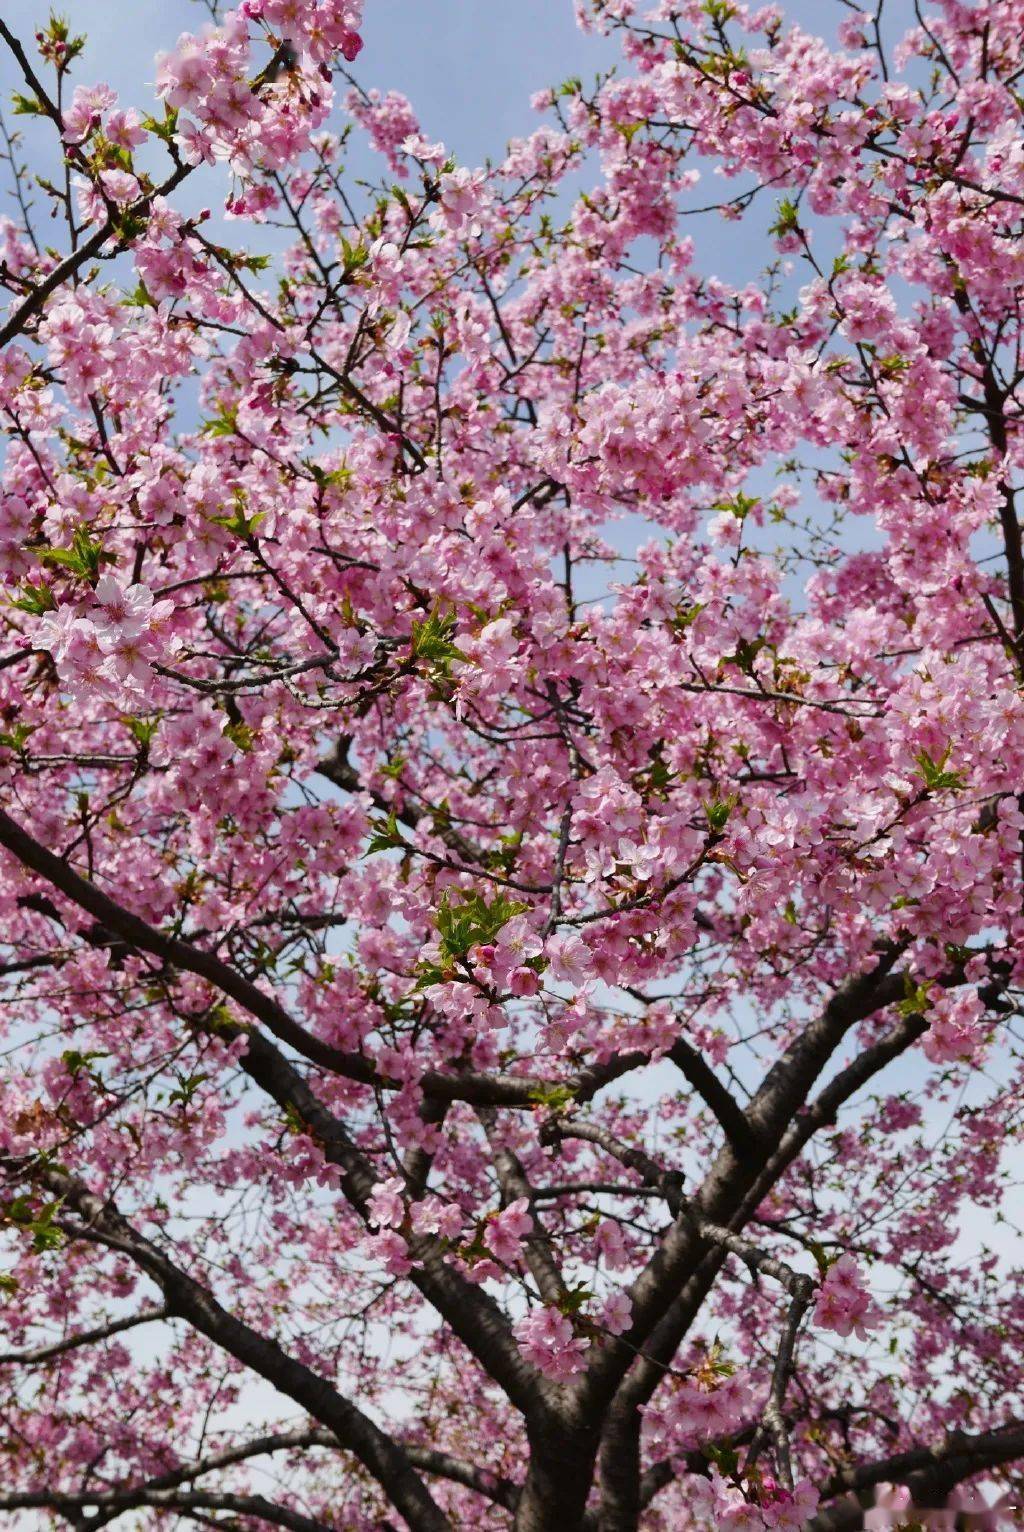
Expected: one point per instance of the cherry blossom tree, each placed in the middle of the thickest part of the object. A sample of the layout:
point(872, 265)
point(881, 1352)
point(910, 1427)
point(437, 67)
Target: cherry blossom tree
point(512, 750)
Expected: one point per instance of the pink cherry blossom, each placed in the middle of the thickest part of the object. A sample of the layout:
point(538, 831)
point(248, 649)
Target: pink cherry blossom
point(844, 1303)
point(506, 1231)
point(546, 1339)
point(120, 186)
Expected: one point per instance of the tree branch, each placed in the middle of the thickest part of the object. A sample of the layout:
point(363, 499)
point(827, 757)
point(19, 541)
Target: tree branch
point(694, 1068)
point(930, 1473)
point(113, 1504)
point(514, 1184)
point(99, 1222)
point(83, 1338)
point(475, 1317)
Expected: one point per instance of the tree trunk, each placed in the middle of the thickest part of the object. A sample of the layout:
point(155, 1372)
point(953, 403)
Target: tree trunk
point(561, 1472)
point(620, 1473)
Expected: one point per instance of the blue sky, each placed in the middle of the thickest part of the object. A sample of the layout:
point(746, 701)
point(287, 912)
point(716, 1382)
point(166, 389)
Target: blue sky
point(468, 66)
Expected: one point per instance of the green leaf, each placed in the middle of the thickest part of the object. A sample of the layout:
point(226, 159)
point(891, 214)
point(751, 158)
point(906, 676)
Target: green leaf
point(17, 736)
point(240, 735)
point(58, 30)
point(472, 922)
point(746, 654)
point(353, 256)
point(294, 1119)
point(220, 1019)
point(725, 1458)
point(504, 856)
point(933, 773)
point(658, 776)
point(685, 616)
point(143, 729)
point(386, 835)
point(820, 1256)
point(340, 478)
point(27, 106)
point(35, 599)
point(81, 559)
point(431, 639)
point(139, 298)
point(572, 1301)
point(915, 1001)
point(239, 523)
point(225, 423)
point(739, 506)
point(717, 811)
point(164, 128)
point(554, 1098)
point(186, 1089)
point(786, 220)
point(75, 1062)
point(38, 1224)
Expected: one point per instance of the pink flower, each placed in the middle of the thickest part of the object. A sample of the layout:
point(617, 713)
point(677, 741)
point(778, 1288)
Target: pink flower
point(516, 943)
point(194, 143)
point(126, 661)
point(460, 198)
point(130, 609)
point(75, 645)
point(569, 958)
point(387, 1204)
point(640, 862)
point(705, 1412)
point(506, 1231)
point(85, 113)
point(523, 981)
point(125, 129)
point(545, 1337)
point(957, 1031)
point(391, 1250)
point(432, 1216)
point(725, 530)
point(120, 186)
point(844, 1303)
point(616, 1313)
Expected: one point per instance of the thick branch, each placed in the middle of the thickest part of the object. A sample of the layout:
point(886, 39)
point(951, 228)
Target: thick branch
point(787, 1083)
point(112, 918)
point(706, 1083)
point(112, 1502)
point(929, 1472)
point(774, 1416)
point(824, 1109)
point(672, 1288)
point(443, 1466)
